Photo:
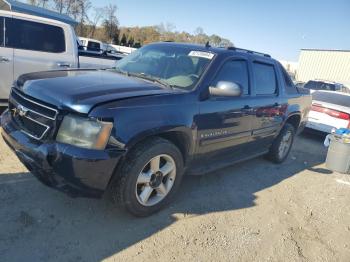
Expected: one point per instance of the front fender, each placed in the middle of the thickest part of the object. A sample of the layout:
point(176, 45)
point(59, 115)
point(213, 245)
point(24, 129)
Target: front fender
point(136, 120)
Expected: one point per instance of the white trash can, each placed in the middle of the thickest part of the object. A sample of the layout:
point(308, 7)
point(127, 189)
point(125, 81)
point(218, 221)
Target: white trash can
point(338, 156)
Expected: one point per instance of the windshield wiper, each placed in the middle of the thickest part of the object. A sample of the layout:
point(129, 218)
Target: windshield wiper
point(146, 77)
point(151, 78)
point(118, 70)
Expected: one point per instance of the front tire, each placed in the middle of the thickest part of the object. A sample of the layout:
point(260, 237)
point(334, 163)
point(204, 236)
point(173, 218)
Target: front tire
point(149, 177)
point(282, 145)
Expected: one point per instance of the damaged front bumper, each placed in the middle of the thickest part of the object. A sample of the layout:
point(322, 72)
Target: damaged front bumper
point(75, 171)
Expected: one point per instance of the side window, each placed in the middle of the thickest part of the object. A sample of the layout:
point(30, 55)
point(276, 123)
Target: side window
point(21, 34)
point(289, 85)
point(265, 79)
point(1, 31)
point(93, 46)
point(234, 71)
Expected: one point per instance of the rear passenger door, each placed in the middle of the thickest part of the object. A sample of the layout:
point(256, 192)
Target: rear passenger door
point(267, 104)
point(6, 65)
point(37, 46)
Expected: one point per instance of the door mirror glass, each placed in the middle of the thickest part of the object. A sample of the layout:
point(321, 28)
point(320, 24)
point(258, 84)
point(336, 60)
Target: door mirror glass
point(226, 88)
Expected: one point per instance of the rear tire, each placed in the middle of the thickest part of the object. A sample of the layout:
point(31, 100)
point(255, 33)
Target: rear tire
point(282, 145)
point(149, 177)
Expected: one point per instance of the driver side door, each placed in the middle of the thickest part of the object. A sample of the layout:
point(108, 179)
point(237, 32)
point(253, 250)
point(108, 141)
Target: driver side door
point(225, 123)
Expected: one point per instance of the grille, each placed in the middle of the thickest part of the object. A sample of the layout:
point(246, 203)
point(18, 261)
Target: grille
point(33, 118)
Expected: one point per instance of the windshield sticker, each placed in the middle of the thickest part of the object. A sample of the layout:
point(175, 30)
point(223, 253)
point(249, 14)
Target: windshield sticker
point(201, 54)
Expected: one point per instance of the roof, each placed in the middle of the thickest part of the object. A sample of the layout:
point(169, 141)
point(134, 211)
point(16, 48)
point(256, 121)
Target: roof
point(89, 39)
point(20, 7)
point(324, 50)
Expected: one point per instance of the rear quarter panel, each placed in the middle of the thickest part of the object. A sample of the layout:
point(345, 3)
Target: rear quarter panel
point(299, 105)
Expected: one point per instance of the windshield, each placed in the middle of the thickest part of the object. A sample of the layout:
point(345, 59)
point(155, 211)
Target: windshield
point(175, 66)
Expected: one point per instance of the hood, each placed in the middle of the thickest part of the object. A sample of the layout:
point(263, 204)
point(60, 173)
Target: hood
point(81, 90)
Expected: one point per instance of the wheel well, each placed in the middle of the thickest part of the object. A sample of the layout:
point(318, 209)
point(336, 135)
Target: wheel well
point(180, 140)
point(294, 120)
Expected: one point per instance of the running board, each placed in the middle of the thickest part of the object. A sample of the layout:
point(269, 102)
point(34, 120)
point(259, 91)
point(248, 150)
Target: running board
point(205, 169)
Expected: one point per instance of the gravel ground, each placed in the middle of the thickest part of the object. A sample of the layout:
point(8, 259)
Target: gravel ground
point(254, 211)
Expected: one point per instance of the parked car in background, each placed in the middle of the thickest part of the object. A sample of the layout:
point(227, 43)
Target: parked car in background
point(92, 46)
point(299, 84)
point(111, 51)
point(133, 130)
point(31, 43)
point(329, 110)
point(314, 85)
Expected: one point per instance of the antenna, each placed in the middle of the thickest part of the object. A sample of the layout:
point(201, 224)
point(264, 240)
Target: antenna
point(207, 45)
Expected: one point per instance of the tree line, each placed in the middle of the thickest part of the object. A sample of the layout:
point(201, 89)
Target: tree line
point(102, 24)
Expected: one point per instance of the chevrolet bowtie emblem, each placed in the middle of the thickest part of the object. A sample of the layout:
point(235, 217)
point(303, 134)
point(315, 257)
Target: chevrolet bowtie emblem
point(20, 110)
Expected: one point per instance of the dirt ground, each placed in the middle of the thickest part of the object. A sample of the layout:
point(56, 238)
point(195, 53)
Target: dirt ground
point(254, 211)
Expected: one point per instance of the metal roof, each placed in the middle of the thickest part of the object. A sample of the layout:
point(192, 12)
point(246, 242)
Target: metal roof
point(20, 7)
point(325, 50)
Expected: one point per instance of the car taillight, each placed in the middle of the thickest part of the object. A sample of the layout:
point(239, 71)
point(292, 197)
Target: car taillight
point(317, 108)
point(331, 112)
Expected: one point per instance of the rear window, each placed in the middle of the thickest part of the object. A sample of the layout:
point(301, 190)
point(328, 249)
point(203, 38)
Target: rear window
point(94, 46)
point(1, 31)
point(265, 79)
point(21, 34)
point(316, 85)
point(332, 98)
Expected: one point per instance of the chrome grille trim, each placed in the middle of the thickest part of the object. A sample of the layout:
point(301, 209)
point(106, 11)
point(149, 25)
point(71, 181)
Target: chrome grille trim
point(35, 137)
point(41, 119)
point(34, 102)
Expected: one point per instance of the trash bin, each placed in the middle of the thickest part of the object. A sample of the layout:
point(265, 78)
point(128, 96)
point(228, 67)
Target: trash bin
point(338, 156)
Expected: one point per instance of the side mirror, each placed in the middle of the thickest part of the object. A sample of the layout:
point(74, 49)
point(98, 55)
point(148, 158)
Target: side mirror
point(226, 88)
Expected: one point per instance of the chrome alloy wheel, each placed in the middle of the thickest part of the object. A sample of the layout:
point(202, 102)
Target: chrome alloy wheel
point(285, 144)
point(155, 180)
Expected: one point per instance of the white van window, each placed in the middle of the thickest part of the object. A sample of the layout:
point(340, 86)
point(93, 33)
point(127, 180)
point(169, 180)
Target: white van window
point(93, 46)
point(21, 34)
point(1, 31)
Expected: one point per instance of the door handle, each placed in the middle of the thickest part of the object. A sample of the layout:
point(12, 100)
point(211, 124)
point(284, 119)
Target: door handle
point(63, 64)
point(4, 59)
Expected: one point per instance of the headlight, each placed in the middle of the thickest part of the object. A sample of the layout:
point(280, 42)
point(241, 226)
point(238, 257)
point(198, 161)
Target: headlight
point(84, 132)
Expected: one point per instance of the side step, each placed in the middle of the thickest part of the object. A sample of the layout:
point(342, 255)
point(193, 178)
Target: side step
point(226, 162)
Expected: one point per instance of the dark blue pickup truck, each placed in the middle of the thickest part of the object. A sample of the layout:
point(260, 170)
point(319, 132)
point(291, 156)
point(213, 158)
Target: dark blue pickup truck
point(165, 110)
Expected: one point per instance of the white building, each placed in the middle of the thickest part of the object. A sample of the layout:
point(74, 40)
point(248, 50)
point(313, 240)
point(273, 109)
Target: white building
point(331, 65)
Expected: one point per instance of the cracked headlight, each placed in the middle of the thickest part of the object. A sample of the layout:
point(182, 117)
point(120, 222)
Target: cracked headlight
point(84, 132)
